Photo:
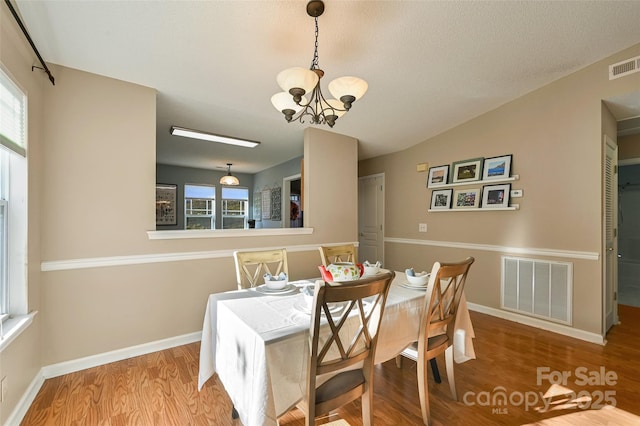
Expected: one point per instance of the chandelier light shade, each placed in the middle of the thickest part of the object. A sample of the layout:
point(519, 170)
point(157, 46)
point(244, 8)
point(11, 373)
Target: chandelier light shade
point(284, 101)
point(297, 78)
point(298, 82)
point(229, 179)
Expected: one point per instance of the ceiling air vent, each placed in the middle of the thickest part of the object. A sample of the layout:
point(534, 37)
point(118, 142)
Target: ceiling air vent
point(623, 68)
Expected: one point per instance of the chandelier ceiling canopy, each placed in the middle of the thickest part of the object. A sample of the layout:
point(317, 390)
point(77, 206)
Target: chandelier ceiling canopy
point(299, 82)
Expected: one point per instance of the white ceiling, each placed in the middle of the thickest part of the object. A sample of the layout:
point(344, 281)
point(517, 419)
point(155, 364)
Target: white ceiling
point(430, 65)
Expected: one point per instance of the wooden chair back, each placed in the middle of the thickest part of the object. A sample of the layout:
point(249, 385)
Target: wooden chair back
point(444, 291)
point(252, 265)
point(341, 350)
point(437, 326)
point(333, 254)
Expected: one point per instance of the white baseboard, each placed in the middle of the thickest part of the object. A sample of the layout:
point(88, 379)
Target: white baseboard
point(72, 366)
point(67, 367)
point(538, 323)
point(25, 402)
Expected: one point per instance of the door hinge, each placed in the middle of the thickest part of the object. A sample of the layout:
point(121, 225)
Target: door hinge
point(615, 295)
point(615, 169)
point(615, 232)
point(380, 187)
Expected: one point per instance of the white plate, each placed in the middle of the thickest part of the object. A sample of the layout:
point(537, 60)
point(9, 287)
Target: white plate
point(333, 308)
point(413, 287)
point(266, 290)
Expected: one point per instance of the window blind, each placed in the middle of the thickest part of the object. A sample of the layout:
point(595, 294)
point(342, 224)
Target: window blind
point(12, 115)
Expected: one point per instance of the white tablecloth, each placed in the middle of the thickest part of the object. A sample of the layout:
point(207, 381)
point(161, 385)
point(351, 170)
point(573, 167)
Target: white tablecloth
point(258, 345)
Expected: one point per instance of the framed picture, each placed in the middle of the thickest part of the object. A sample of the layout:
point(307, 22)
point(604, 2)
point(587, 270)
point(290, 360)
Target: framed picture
point(496, 196)
point(276, 203)
point(497, 167)
point(466, 198)
point(467, 170)
point(441, 199)
point(166, 204)
point(266, 204)
point(438, 176)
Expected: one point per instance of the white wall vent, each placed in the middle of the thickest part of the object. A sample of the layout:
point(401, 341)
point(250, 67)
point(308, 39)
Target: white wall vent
point(626, 67)
point(538, 288)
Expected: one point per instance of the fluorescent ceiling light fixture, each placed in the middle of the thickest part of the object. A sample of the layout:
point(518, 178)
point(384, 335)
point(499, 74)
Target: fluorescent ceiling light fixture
point(196, 134)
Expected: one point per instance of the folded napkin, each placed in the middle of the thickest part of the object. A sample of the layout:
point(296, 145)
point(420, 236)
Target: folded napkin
point(410, 272)
point(367, 263)
point(281, 277)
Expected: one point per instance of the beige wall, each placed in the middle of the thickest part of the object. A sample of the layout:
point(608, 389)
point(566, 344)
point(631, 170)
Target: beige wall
point(331, 184)
point(555, 136)
point(629, 147)
point(94, 310)
point(100, 175)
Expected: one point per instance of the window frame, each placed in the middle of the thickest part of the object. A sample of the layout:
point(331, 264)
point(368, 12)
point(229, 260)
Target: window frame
point(14, 311)
point(210, 210)
point(244, 210)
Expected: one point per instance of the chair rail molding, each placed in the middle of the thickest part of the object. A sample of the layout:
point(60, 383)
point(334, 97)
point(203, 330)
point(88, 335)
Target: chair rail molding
point(139, 259)
point(502, 249)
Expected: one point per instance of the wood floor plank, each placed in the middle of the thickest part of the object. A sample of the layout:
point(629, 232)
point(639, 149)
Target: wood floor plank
point(161, 388)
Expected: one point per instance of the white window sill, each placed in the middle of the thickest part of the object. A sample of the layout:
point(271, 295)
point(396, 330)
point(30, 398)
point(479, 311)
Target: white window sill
point(226, 233)
point(13, 327)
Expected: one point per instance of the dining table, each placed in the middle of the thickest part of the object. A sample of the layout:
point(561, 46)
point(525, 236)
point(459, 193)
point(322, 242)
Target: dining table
point(257, 341)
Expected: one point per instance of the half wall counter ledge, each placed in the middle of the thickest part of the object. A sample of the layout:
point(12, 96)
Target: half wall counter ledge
point(226, 233)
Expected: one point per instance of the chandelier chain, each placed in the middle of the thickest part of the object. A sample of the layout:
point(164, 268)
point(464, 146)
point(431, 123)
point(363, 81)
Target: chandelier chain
point(314, 62)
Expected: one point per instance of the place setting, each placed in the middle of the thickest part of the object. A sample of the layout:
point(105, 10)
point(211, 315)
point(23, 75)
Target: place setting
point(415, 280)
point(276, 285)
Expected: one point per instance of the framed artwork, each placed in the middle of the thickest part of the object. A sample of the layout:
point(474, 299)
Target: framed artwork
point(438, 176)
point(467, 170)
point(496, 196)
point(266, 204)
point(276, 203)
point(166, 204)
point(466, 198)
point(497, 167)
point(441, 199)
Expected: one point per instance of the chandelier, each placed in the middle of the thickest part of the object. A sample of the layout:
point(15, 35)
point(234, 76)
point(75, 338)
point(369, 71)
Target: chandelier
point(229, 179)
point(298, 82)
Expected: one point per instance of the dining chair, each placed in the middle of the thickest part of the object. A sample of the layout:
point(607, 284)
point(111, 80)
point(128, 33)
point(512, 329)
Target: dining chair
point(437, 326)
point(346, 357)
point(333, 254)
point(252, 265)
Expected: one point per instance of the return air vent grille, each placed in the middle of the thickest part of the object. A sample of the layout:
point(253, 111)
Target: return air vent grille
point(538, 288)
point(629, 66)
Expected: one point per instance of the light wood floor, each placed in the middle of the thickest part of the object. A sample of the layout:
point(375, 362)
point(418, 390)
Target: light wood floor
point(161, 388)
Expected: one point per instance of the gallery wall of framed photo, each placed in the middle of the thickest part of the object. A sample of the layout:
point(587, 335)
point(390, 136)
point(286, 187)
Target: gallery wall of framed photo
point(473, 184)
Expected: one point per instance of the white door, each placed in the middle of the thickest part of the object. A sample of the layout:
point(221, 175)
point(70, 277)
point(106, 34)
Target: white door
point(371, 218)
point(610, 233)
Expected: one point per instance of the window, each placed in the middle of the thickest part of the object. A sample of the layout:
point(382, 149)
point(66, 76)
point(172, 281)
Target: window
point(234, 207)
point(13, 199)
point(199, 207)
